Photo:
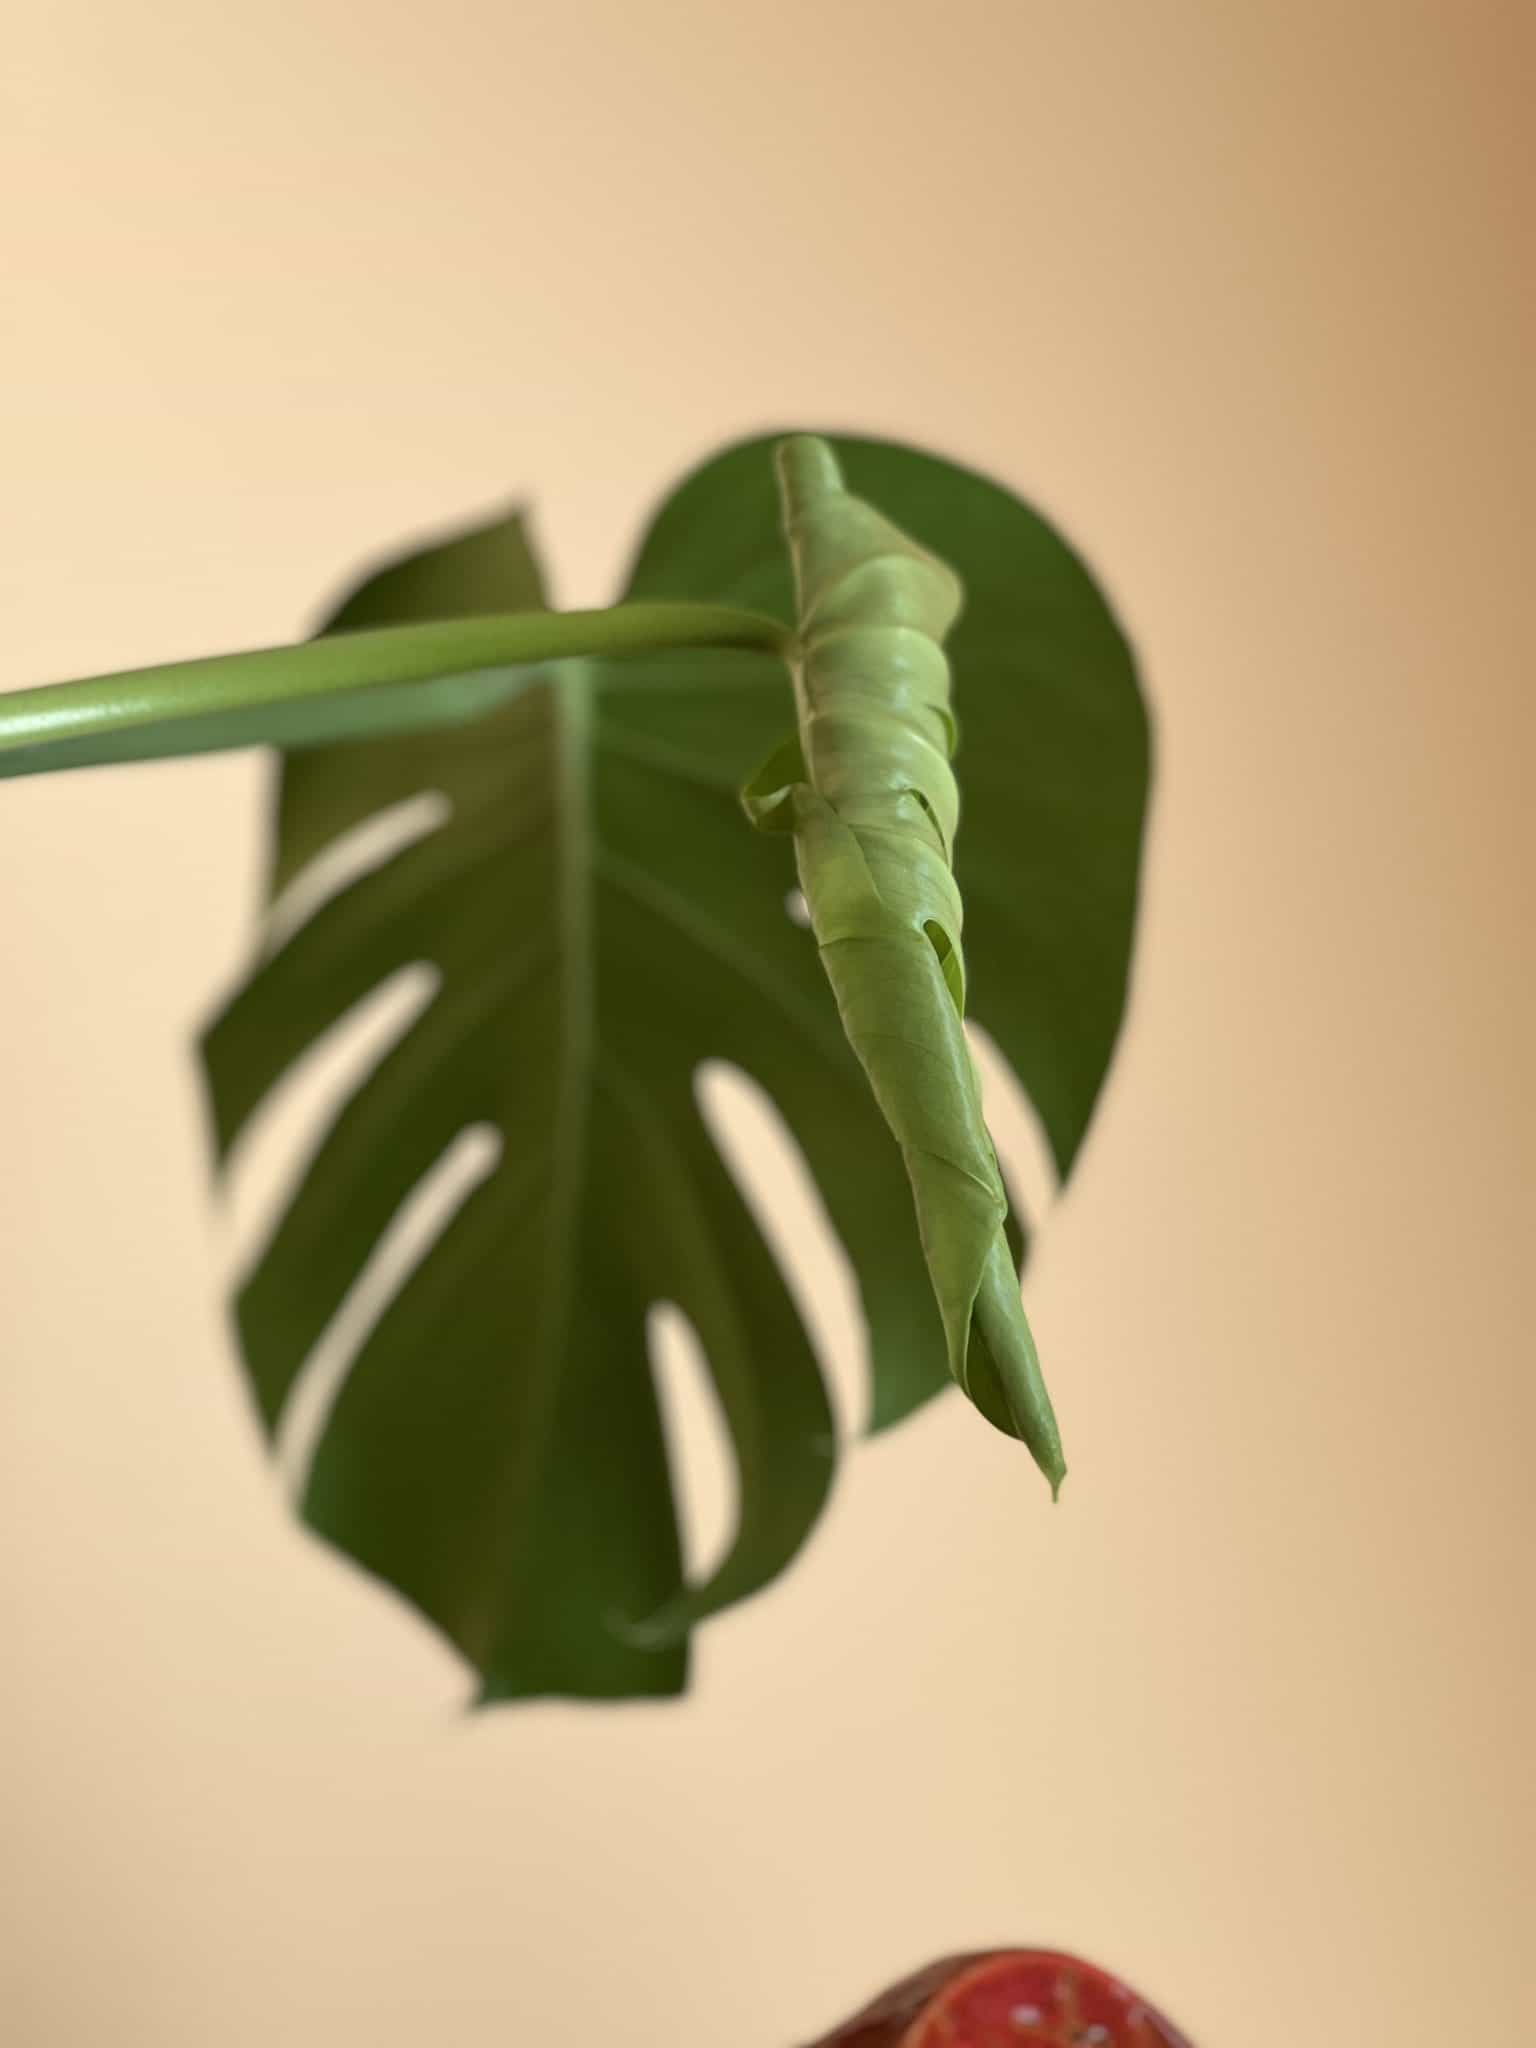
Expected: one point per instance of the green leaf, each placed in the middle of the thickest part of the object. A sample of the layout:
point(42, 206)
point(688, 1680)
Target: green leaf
point(602, 921)
point(496, 1451)
point(868, 792)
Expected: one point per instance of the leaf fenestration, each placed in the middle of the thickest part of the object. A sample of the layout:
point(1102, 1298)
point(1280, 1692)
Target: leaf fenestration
point(496, 1450)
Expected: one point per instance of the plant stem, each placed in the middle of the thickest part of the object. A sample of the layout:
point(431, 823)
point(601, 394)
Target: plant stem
point(348, 685)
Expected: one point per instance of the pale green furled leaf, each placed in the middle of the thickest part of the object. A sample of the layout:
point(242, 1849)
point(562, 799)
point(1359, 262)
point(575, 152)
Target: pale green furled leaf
point(869, 794)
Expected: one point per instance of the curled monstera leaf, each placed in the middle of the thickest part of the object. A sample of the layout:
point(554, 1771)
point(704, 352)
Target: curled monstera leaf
point(867, 790)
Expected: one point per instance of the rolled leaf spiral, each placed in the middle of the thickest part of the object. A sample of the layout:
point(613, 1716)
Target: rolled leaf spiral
point(867, 790)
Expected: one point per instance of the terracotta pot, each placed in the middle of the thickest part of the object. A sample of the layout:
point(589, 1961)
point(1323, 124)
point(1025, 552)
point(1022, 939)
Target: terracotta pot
point(1007, 1998)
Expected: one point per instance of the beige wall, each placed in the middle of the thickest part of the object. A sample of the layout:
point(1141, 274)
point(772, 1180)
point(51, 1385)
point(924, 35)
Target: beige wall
point(1230, 289)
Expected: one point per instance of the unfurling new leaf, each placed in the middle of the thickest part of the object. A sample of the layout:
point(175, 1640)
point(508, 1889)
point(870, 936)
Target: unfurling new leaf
point(867, 790)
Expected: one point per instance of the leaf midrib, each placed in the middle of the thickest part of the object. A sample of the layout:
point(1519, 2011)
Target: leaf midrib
point(570, 713)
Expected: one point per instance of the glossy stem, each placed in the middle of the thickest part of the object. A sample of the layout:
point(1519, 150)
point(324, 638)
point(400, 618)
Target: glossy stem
point(364, 684)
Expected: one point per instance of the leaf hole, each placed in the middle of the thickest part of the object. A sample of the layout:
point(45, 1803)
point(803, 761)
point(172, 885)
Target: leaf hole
point(1023, 1149)
point(951, 965)
point(349, 857)
point(416, 1226)
point(277, 1147)
point(778, 1187)
point(698, 1439)
point(797, 910)
point(932, 816)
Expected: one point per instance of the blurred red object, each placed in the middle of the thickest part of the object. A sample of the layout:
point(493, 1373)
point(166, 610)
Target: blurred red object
point(1007, 1998)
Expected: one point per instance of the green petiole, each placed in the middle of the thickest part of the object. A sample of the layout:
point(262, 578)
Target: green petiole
point(349, 686)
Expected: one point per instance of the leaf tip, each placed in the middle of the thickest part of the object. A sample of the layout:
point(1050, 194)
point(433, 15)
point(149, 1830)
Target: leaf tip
point(808, 471)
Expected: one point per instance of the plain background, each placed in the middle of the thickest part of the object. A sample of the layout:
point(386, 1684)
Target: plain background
point(1231, 292)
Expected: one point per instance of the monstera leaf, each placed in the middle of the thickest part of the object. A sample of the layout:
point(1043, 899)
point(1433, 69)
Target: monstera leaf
point(601, 921)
